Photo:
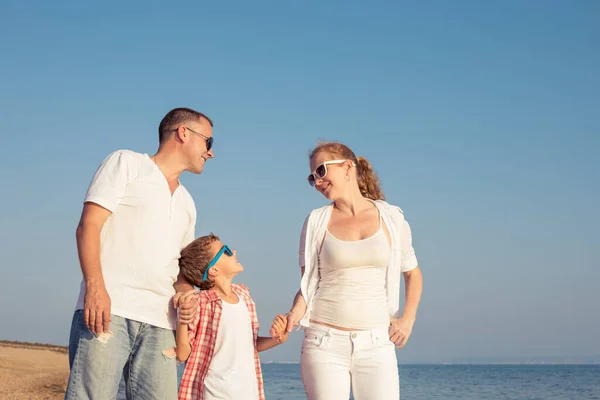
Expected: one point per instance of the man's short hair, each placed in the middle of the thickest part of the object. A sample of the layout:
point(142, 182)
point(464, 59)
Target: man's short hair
point(175, 118)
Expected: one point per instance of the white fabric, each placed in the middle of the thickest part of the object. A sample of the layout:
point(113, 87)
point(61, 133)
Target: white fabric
point(351, 292)
point(232, 373)
point(141, 240)
point(333, 361)
point(402, 256)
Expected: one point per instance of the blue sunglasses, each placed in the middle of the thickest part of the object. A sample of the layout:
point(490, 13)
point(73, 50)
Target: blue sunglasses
point(225, 249)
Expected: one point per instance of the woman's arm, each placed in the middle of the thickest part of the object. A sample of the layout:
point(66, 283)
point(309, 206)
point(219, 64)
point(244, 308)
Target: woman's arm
point(401, 328)
point(413, 281)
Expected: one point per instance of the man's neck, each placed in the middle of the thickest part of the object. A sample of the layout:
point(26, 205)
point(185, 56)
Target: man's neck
point(169, 165)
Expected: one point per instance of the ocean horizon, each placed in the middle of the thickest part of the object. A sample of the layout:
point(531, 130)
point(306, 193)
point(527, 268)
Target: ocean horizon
point(462, 381)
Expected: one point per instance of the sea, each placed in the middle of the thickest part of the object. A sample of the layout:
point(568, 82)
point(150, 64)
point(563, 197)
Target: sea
point(463, 382)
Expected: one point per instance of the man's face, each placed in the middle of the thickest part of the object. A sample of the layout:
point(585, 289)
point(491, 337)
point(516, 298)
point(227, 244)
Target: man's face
point(196, 145)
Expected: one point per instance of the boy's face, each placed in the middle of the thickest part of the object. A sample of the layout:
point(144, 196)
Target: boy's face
point(226, 265)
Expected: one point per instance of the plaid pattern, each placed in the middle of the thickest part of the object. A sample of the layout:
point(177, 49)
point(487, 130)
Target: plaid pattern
point(203, 337)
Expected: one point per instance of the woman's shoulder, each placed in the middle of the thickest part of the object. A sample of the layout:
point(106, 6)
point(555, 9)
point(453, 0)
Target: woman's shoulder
point(391, 211)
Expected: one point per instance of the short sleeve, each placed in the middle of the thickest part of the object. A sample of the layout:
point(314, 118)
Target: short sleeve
point(302, 246)
point(409, 259)
point(109, 182)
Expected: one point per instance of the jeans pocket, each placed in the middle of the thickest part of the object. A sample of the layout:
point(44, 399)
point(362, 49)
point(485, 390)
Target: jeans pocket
point(382, 340)
point(315, 339)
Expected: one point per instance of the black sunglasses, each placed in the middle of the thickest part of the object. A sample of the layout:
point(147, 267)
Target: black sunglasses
point(209, 140)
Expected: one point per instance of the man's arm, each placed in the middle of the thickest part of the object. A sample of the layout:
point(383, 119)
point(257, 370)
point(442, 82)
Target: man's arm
point(97, 301)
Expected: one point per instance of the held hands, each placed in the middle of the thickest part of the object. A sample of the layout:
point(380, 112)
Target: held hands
point(187, 305)
point(279, 330)
point(96, 308)
point(400, 330)
point(292, 320)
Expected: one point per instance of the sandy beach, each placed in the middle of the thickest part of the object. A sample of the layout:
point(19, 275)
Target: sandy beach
point(33, 371)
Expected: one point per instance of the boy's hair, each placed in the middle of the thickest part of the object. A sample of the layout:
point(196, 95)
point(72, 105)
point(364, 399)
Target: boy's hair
point(195, 258)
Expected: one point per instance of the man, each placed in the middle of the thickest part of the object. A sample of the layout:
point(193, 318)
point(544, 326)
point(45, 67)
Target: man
point(136, 218)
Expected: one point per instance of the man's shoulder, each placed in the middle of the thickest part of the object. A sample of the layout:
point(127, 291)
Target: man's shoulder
point(186, 194)
point(128, 155)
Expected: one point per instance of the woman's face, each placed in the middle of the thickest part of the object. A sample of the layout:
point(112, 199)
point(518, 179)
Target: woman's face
point(333, 181)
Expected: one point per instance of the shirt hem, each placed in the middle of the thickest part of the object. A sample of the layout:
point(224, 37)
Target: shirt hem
point(131, 316)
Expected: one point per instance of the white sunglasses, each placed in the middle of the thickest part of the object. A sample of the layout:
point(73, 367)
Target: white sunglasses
point(321, 171)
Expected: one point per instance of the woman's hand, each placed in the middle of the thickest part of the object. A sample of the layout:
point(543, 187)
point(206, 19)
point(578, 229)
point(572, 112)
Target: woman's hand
point(278, 329)
point(289, 320)
point(400, 330)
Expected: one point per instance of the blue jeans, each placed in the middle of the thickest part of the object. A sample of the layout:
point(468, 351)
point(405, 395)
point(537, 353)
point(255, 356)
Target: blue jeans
point(143, 354)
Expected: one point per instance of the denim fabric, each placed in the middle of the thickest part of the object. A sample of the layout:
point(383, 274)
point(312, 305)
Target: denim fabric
point(141, 353)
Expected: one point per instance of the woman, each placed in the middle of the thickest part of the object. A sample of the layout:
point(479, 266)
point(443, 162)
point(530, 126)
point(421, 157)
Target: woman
point(352, 254)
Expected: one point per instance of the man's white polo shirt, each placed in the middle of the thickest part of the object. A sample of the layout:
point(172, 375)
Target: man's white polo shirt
point(141, 241)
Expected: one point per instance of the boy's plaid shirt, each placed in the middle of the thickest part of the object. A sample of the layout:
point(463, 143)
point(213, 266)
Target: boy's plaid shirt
point(203, 337)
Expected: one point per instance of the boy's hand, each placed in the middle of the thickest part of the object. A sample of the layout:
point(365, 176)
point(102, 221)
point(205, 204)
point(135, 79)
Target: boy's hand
point(187, 305)
point(278, 328)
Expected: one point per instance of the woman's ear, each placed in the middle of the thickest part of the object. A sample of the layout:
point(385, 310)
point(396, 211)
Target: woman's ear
point(348, 165)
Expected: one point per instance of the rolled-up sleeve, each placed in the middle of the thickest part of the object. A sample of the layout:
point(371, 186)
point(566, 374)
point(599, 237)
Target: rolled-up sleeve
point(409, 258)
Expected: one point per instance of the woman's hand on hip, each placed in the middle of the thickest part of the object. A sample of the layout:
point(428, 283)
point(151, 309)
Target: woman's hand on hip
point(400, 330)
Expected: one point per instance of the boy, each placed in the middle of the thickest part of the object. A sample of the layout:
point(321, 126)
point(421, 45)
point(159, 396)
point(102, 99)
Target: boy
point(221, 345)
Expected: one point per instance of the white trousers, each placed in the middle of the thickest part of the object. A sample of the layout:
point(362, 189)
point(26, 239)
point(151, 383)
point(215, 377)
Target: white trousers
point(335, 361)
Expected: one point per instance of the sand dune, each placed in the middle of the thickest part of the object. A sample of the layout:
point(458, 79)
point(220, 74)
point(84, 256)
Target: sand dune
point(32, 371)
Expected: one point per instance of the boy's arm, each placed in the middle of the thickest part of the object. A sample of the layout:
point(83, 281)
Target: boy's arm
point(279, 327)
point(186, 306)
point(185, 332)
point(187, 311)
point(265, 343)
point(183, 349)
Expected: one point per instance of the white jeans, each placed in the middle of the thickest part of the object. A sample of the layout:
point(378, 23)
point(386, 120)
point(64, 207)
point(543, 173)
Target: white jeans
point(333, 361)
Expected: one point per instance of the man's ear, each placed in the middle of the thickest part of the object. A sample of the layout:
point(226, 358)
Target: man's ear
point(181, 134)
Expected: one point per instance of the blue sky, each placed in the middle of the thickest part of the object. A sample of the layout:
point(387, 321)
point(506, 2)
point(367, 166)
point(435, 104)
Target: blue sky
point(482, 120)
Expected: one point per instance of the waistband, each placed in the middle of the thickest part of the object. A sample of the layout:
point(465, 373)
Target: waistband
point(375, 332)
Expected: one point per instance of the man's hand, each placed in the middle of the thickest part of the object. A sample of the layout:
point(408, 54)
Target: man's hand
point(400, 330)
point(96, 308)
point(278, 328)
point(187, 305)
